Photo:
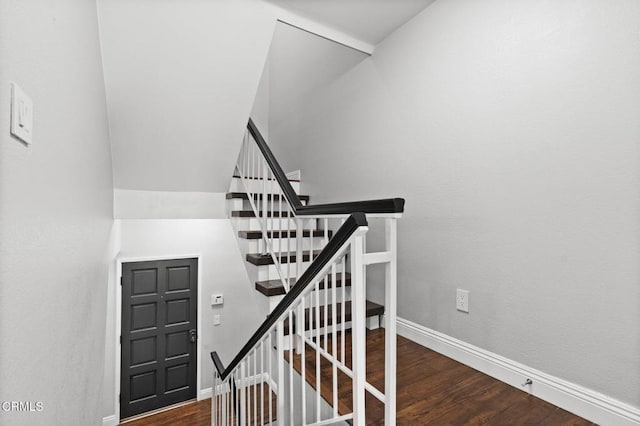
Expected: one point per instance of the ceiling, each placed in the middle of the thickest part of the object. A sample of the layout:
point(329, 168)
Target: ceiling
point(370, 21)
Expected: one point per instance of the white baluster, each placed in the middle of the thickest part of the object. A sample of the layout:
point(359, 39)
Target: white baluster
point(317, 330)
point(303, 361)
point(269, 361)
point(334, 344)
point(299, 236)
point(262, 378)
point(291, 354)
point(214, 400)
point(342, 308)
point(243, 393)
point(280, 361)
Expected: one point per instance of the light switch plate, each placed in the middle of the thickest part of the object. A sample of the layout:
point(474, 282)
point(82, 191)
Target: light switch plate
point(21, 114)
point(217, 299)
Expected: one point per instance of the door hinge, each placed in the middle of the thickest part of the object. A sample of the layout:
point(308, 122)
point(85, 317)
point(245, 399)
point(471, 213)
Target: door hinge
point(120, 339)
point(121, 280)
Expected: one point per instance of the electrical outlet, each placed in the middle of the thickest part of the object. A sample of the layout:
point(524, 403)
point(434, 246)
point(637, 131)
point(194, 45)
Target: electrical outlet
point(216, 320)
point(462, 300)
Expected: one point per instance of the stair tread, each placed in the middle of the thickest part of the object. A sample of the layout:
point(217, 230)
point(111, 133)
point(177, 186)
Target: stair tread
point(245, 196)
point(259, 178)
point(275, 287)
point(251, 213)
point(266, 259)
point(257, 235)
point(372, 309)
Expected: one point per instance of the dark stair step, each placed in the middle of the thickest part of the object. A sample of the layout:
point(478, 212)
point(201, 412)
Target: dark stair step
point(275, 197)
point(275, 287)
point(265, 259)
point(373, 309)
point(259, 178)
point(257, 235)
point(250, 213)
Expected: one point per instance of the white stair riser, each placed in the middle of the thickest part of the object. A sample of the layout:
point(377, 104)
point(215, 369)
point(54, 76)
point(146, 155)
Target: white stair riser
point(236, 204)
point(285, 245)
point(256, 246)
point(328, 293)
point(240, 204)
point(253, 224)
point(270, 272)
point(274, 300)
point(259, 186)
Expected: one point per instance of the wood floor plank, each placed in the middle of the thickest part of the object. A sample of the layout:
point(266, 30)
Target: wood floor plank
point(432, 390)
point(192, 414)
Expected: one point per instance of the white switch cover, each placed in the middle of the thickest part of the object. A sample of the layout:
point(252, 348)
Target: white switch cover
point(462, 300)
point(216, 320)
point(21, 114)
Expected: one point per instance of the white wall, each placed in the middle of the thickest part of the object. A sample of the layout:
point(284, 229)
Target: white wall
point(222, 271)
point(181, 78)
point(512, 129)
point(260, 109)
point(298, 63)
point(55, 214)
point(132, 204)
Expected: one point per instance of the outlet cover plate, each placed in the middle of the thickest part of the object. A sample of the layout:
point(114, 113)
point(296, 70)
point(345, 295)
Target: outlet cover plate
point(462, 300)
point(21, 115)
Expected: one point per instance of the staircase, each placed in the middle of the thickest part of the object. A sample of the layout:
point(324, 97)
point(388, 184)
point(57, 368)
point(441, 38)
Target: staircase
point(261, 264)
point(309, 261)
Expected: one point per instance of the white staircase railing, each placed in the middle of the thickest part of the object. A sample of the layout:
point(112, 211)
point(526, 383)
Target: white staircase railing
point(266, 383)
point(315, 332)
point(274, 212)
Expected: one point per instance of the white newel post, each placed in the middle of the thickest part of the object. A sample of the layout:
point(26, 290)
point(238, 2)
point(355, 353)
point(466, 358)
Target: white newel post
point(358, 330)
point(390, 301)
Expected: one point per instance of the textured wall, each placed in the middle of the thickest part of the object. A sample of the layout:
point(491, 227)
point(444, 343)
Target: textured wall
point(512, 129)
point(55, 214)
point(222, 271)
point(180, 91)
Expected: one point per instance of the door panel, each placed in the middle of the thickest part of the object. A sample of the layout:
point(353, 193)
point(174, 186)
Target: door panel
point(159, 316)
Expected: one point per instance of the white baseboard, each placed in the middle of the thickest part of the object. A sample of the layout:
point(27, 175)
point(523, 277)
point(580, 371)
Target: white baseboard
point(584, 402)
point(204, 394)
point(111, 420)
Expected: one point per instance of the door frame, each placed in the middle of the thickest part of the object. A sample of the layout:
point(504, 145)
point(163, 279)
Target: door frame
point(118, 317)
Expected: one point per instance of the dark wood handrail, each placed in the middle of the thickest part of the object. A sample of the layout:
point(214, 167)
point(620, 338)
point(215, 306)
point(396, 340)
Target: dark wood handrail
point(217, 362)
point(387, 205)
point(279, 174)
point(343, 234)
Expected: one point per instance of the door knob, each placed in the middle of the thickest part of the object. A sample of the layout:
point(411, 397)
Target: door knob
point(193, 335)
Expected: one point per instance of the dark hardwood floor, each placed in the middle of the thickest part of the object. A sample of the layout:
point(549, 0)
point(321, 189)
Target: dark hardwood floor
point(432, 390)
point(191, 414)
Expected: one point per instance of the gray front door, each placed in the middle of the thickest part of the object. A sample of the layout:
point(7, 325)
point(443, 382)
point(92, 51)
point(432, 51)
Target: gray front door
point(159, 318)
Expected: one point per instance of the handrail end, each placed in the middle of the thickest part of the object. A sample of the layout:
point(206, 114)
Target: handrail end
point(217, 362)
point(398, 204)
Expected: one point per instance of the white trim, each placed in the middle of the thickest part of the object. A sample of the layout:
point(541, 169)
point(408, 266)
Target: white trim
point(250, 380)
point(118, 317)
point(111, 420)
point(377, 257)
point(205, 393)
point(295, 175)
point(242, 383)
point(306, 24)
point(584, 402)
